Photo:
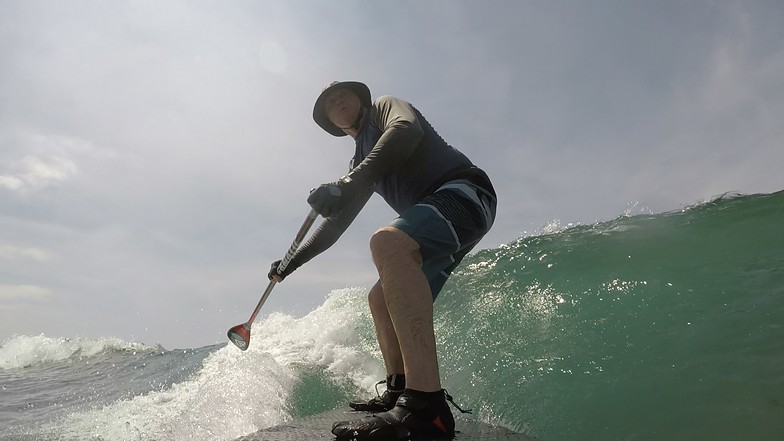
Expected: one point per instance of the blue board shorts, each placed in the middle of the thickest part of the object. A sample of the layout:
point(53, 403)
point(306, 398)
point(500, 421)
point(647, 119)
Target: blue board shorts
point(447, 225)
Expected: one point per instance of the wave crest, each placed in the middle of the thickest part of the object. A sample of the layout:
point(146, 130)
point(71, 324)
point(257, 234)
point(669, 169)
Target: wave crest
point(25, 351)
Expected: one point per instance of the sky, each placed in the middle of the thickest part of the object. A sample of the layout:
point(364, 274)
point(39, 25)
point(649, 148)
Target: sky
point(155, 156)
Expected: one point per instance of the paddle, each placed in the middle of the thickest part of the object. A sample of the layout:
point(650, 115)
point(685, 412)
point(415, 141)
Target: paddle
point(240, 334)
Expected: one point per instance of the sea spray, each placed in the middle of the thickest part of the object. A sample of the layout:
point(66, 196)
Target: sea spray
point(229, 393)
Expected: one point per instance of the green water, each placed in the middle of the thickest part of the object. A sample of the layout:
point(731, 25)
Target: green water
point(316, 392)
point(644, 328)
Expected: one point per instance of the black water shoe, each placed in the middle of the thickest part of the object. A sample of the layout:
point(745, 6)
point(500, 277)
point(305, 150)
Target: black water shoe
point(386, 401)
point(381, 403)
point(416, 416)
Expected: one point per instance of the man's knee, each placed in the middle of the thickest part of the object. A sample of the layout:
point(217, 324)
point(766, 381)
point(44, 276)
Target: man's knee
point(392, 243)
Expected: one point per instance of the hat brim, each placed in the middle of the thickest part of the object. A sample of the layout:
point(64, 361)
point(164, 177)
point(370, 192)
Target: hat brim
point(320, 114)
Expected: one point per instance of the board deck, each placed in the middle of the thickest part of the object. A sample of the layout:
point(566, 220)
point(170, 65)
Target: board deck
point(317, 427)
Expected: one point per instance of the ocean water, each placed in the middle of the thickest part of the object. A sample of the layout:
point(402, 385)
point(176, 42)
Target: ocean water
point(649, 327)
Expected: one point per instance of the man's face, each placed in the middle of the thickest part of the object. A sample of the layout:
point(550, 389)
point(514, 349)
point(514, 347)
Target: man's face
point(342, 107)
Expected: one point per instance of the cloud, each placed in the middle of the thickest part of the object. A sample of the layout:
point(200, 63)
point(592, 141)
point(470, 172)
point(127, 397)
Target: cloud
point(37, 172)
point(11, 182)
point(13, 252)
point(41, 160)
point(23, 293)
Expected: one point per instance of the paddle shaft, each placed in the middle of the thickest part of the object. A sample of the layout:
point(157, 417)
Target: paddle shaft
point(303, 230)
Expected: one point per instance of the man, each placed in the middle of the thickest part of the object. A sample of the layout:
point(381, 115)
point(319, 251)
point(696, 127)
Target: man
point(445, 206)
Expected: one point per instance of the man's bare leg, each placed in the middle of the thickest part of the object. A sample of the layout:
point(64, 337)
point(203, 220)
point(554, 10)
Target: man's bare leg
point(385, 331)
point(410, 305)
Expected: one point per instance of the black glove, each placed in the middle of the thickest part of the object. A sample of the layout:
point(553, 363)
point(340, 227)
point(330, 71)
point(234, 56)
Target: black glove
point(330, 199)
point(326, 200)
point(274, 271)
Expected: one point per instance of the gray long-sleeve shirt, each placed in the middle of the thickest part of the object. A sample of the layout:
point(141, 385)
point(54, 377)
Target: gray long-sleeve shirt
point(399, 151)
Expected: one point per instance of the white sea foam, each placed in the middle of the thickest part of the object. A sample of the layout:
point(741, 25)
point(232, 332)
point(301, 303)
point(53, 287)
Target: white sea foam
point(24, 351)
point(235, 392)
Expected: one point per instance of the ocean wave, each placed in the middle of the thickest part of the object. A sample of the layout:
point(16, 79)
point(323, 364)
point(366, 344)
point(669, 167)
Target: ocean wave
point(25, 351)
point(652, 326)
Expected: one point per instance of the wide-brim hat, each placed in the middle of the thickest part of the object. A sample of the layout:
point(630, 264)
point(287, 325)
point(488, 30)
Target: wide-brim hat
point(320, 115)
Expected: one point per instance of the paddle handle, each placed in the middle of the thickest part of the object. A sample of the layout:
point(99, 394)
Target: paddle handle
point(303, 230)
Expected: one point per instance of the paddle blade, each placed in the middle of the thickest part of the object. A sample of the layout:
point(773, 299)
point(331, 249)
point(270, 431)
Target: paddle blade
point(240, 336)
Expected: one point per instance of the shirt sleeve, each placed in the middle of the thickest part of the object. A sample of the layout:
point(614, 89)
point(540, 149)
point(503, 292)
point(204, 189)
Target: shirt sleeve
point(329, 231)
point(401, 133)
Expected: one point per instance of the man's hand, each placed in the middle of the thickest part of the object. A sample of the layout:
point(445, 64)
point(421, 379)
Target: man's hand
point(327, 199)
point(274, 274)
point(330, 199)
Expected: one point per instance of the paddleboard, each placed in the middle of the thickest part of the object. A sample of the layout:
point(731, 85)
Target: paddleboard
point(317, 427)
